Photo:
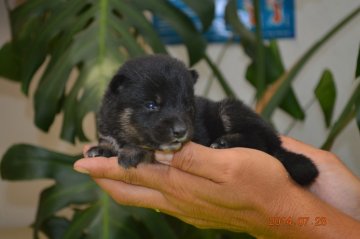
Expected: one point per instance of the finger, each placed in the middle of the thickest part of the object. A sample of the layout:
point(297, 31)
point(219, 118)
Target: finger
point(168, 180)
point(149, 175)
point(138, 196)
point(201, 161)
point(133, 195)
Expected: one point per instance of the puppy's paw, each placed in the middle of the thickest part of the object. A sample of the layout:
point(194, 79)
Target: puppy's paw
point(220, 143)
point(230, 141)
point(131, 157)
point(128, 160)
point(98, 151)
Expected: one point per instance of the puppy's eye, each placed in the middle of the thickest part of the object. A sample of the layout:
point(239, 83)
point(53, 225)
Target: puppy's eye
point(152, 105)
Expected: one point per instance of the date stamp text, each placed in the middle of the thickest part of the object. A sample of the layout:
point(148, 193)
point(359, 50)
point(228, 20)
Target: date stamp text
point(297, 221)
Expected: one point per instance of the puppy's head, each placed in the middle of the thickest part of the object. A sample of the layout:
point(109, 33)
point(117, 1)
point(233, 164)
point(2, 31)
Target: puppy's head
point(151, 101)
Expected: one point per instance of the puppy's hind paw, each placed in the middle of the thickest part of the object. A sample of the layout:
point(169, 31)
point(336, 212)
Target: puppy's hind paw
point(98, 151)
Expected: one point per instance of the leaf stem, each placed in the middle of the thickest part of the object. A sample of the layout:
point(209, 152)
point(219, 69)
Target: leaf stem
point(219, 76)
point(103, 10)
point(294, 121)
point(218, 61)
point(260, 61)
point(105, 202)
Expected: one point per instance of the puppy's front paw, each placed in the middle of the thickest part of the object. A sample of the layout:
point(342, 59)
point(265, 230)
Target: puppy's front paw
point(220, 143)
point(98, 151)
point(131, 157)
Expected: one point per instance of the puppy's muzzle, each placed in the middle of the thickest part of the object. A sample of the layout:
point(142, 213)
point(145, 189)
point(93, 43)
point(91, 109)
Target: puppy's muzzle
point(179, 132)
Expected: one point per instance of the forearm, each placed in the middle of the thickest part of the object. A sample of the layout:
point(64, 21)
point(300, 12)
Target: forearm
point(298, 214)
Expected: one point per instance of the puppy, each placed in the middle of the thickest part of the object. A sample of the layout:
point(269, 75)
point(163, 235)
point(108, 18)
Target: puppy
point(150, 105)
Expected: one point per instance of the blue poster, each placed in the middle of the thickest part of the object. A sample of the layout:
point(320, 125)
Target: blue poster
point(277, 20)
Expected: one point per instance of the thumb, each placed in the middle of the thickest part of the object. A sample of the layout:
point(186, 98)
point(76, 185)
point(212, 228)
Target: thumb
point(198, 160)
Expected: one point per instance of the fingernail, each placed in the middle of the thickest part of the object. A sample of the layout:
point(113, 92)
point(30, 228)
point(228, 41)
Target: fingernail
point(164, 158)
point(81, 170)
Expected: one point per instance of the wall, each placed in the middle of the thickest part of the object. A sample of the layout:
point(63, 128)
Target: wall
point(314, 17)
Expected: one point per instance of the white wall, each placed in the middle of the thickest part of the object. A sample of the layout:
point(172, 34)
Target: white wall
point(314, 17)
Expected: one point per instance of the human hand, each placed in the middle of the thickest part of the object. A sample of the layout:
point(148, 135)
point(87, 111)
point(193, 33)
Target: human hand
point(335, 184)
point(231, 189)
point(235, 189)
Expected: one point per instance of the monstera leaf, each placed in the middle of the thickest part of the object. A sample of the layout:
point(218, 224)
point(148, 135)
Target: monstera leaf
point(95, 214)
point(101, 218)
point(88, 40)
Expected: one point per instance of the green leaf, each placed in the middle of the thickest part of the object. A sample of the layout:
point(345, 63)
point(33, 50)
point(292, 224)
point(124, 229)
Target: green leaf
point(348, 113)
point(80, 221)
point(72, 125)
point(325, 92)
point(23, 162)
point(248, 39)
point(358, 117)
point(205, 9)
point(291, 105)
point(50, 91)
point(9, 63)
point(55, 227)
point(155, 222)
point(220, 77)
point(30, 10)
point(260, 54)
point(273, 69)
point(28, 30)
point(193, 39)
point(273, 63)
point(357, 110)
point(77, 189)
point(106, 219)
point(357, 71)
point(74, 36)
point(28, 162)
point(140, 22)
point(110, 221)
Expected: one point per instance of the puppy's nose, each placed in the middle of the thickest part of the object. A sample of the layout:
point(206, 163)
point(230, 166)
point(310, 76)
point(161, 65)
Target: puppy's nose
point(179, 131)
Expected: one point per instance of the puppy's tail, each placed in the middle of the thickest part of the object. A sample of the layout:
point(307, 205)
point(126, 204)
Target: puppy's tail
point(300, 168)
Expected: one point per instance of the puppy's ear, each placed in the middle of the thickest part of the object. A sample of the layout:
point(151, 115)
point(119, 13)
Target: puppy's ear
point(117, 83)
point(194, 75)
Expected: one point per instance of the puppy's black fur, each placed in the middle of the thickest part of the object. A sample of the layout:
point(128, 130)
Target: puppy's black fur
point(150, 105)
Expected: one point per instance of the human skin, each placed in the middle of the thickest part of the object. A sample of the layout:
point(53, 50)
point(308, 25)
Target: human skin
point(335, 185)
point(238, 189)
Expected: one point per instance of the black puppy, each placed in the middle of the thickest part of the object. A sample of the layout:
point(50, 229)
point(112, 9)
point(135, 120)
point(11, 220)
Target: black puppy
point(150, 105)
